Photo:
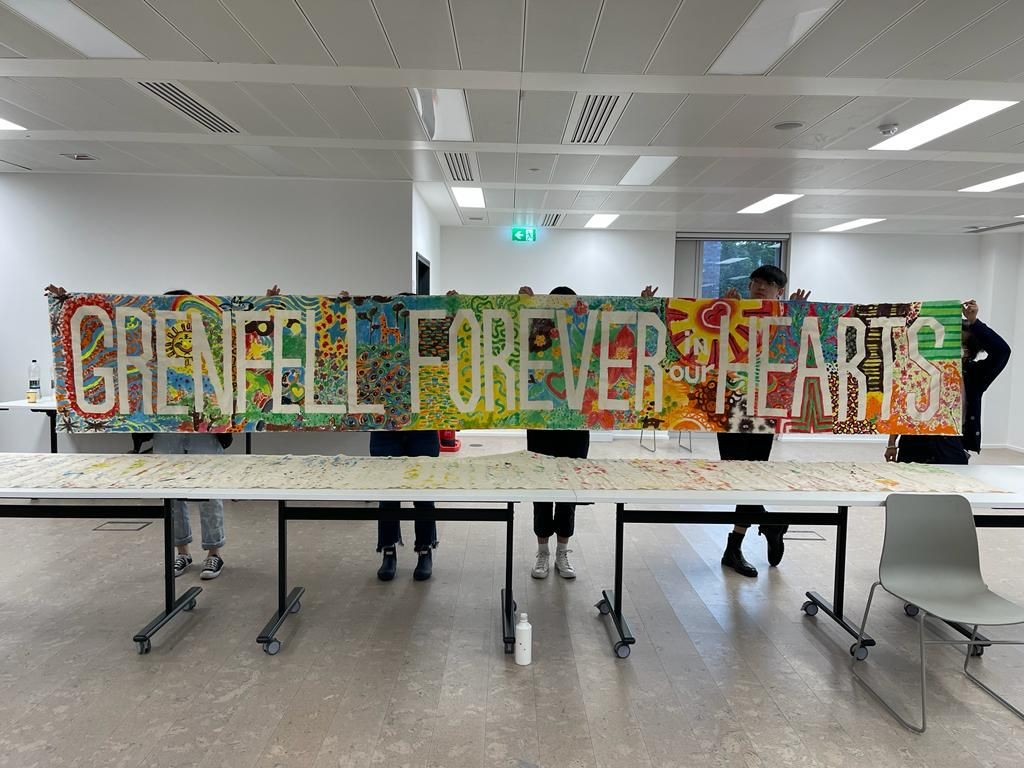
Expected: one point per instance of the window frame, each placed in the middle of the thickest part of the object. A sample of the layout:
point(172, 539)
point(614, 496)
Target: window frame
point(699, 239)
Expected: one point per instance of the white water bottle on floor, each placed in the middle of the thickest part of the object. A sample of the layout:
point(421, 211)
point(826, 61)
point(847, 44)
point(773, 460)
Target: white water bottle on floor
point(524, 641)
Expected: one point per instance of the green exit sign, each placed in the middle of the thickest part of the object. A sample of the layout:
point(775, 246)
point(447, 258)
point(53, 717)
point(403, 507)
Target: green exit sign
point(524, 234)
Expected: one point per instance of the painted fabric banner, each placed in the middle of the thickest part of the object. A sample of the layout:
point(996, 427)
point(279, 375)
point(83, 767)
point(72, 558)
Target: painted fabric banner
point(279, 363)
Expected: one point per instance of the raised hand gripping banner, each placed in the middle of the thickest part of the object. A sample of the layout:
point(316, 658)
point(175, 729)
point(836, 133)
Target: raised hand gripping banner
point(283, 363)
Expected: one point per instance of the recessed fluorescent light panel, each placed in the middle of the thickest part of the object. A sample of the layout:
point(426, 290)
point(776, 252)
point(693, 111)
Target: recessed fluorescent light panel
point(444, 113)
point(1001, 183)
point(769, 203)
point(645, 170)
point(7, 125)
point(855, 224)
point(770, 31)
point(469, 197)
point(600, 220)
point(72, 25)
point(943, 123)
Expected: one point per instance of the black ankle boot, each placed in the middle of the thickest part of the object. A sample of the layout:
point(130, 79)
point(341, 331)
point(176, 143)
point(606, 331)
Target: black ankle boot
point(773, 534)
point(733, 556)
point(424, 566)
point(389, 566)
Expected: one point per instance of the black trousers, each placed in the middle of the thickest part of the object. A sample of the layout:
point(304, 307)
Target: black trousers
point(742, 446)
point(556, 519)
point(931, 449)
point(412, 443)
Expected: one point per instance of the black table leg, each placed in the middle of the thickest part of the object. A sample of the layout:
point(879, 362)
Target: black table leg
point(248, 443)
point(287, 604)
point(508, 605)
point(835, 609)
point(172, 606)
point(53, 430)
point(611, 600)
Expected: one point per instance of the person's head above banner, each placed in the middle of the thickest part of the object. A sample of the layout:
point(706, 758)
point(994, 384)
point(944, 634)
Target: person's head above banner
point(557, 361)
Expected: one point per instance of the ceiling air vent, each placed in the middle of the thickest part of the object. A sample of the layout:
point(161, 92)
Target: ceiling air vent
point(593, 116)
point(550, 220)
point(459, 166)
point(189, 106)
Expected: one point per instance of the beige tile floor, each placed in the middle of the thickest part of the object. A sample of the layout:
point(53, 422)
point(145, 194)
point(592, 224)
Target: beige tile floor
point(726, 670)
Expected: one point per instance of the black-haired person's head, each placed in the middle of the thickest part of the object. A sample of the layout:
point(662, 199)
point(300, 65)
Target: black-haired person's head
point(178, 293)
point(969, 346)
point(563, 290)
point(767, 282)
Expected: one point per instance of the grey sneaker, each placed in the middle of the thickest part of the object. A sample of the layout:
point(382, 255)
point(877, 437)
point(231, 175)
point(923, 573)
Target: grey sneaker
point(562, 565)
point(543, 565)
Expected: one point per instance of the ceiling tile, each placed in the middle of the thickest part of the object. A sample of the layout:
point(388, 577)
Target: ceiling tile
point(238, 107)
point(339, 106)
point(383, 163)
point(489, 33)
point(281, 30)
point(346, 163)
point(572, 169)
point(30, 41)
point(143, 29)
point(1002, 66)
point(392, 111)
point(1002, 27)
point(808, 110)
point(695, 117)
point(610, 169)
point(531, 199)
point(289, 107)
point(420, 33)
point(866, 110)
point(924, 27)
point(165, 158)
point(421, 165)
point(494, 115)
point(307, 161)
point(213, 30)
point(559, 200)
point(620, 201)
point(590, 201)
point(744, 119)
point(905, 115)
point(59, 100)
point(543, 115)
point(351, 31)
point(700, 31)
point(137, 105)
point(643, 117)
point(627, 34)
point(868, 176)
point(534, 169)
point(558, 34)
point(232, 160)
point(25, 118)
point(497, 166)
point(840, 35)
point(499, 198)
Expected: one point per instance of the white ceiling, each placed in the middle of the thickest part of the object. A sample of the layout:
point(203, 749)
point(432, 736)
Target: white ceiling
point(319, 89)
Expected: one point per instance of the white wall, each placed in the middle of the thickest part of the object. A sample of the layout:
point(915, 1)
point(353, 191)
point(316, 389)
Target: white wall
point(426, 239)
point(149, 234)
point(595, 262)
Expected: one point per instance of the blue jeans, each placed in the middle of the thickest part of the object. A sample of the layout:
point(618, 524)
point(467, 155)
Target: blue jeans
point(411, 443)
point(211, 511)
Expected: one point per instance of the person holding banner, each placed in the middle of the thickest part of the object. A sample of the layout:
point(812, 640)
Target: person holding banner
point(978, 375)
point(767, 283)
point(558, 519)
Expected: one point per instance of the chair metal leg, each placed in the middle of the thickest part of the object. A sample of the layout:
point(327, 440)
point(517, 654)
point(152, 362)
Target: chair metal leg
point(654, 444)
point(977, 682)
point(871, 690)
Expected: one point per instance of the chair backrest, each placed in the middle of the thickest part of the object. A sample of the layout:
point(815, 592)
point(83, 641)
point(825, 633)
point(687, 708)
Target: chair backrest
point(931, 540)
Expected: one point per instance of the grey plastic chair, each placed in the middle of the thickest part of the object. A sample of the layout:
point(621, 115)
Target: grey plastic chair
point(930, 559)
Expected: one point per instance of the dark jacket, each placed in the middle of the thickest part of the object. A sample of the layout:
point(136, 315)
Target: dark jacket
point(978, 377)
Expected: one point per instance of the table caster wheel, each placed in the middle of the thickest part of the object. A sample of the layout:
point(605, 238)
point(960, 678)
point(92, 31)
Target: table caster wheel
point(144, 646)
point(271, 647)
point(810, 608)
point(859, 652)
point(622, 650)
point(509, 648)
point(911, 610)
point(515, 606)
point(977, 650)
point(603, 607)
point(296, 607)
point(191, 605)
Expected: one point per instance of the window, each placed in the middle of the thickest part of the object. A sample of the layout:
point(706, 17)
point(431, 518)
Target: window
point(725, 264)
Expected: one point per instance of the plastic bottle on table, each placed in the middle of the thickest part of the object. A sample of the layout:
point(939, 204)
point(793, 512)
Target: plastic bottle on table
point(33, 382)
point(524, 641)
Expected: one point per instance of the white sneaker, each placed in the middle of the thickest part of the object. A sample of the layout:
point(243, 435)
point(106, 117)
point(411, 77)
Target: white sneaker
point(543, 565)
point(565, 570)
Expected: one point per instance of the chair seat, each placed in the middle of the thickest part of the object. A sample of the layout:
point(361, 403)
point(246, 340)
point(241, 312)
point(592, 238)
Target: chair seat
point(979, 606)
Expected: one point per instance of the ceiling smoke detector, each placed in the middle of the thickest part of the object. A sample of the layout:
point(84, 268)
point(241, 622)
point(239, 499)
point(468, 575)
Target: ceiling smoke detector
point(788, 125)
point(77, 156)
point(888, 129)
